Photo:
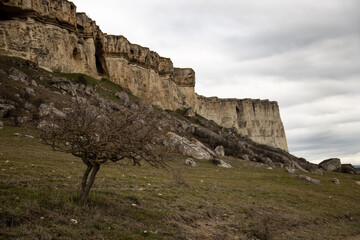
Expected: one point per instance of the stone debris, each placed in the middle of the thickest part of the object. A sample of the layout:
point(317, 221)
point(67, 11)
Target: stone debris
point(335, 180)
point(221, 163)
point(310, 179)
point(190, 162)
point(290, 170)
point(123, 96)
point(219, 150)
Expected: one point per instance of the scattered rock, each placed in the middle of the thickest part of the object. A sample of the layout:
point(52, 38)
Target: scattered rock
point(221, 163)
point(34, 83)
point(219, 150)
point(123, 96)
point(331, 165)
point(357, 183)
point(1, 125)
point(310, 179)
point(190, 162)
point(134, 107)
point(30, 91)
point(189, 112)
point(5, 108)
point(290, 170)
point(17, 134)
point(45, 109)
point(348, 168)
point(246, 158)
point(335, 180)
point(18, 75)
point(28, 106)
point(269, 168)
point(319, 171)
point(29, 136)
point(73, 221)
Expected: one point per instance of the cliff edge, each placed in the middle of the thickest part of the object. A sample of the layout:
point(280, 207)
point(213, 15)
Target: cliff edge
point(56, 37)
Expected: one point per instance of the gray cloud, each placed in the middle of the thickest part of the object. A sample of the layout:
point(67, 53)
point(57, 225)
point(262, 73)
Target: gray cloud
point(303, 53)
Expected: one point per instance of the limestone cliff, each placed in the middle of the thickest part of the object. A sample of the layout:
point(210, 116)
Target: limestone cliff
point(56, 37)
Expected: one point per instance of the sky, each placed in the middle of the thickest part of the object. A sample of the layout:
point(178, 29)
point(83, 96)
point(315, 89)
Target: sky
point(304, 54)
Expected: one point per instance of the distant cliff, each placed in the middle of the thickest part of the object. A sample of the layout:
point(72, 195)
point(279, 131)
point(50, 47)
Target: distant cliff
point(57, 38)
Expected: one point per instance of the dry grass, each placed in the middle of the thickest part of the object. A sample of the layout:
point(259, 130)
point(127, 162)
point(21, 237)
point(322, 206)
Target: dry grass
point(39, 197)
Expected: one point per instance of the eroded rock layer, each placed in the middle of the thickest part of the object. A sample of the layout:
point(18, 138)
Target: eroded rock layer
point(56, 37)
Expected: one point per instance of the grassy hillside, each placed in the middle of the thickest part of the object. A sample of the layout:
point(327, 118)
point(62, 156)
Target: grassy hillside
point(39, 197)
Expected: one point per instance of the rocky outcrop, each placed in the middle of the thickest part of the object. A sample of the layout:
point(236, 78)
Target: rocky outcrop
point(194, 149)
point(331, 165)
point(56, 37)
point(258, 119)
point(348, 168)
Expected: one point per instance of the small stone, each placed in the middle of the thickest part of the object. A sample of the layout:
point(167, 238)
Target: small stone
point(29, 136)
point(290, 170)
point(219, 150)
point(335, 180)
point(1, 125)
point(42, 218)
point(34, 83)
point(357, 183)
point(190, 162)
point(269, 168)
point(30, 91)
point(123, 96)
point(74, 221)
point(309, 179)
point(17, 134)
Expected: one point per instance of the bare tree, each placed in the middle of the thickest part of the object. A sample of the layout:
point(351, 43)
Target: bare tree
point(99, 134)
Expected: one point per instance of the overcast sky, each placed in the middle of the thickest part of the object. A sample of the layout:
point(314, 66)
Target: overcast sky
point(305, 54)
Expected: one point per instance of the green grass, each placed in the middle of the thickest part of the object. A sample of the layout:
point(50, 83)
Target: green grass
point(39, 196)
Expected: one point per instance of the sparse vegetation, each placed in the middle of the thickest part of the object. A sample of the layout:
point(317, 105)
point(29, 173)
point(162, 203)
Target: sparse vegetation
point(97, 135)
point(38, 199)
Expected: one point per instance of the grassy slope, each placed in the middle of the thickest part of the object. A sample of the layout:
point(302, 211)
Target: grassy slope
point(38, 197)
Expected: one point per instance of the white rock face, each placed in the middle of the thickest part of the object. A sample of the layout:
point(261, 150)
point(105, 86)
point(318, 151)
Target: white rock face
point(59, 39)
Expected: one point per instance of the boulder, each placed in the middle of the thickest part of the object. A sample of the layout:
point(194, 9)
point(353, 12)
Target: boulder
point(290, 170)
point(348, 168)
point(189, 112)
point(331, 165)
point(310, 179)
point(123, 96)
point(190, 162)
point(18, 75)
point(318, 171)
point(335, 180)
point(30, 91)
point(221, 163)
point(194, 149)
point(34, 83)
point(45, 109)
point(219, 150)
point(5, 108)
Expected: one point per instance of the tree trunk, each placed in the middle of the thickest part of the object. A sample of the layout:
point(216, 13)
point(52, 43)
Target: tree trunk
point(90, 182)
point(85, 177)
